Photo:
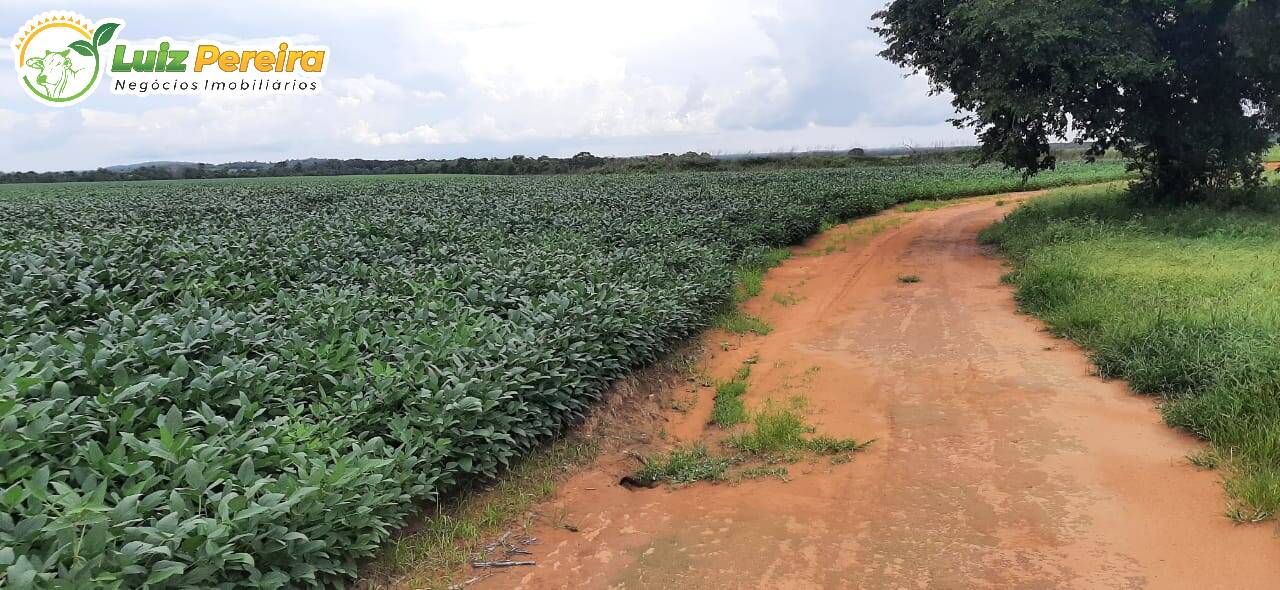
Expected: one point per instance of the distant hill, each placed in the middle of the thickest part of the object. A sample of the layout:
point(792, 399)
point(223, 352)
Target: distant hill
point(155, 164)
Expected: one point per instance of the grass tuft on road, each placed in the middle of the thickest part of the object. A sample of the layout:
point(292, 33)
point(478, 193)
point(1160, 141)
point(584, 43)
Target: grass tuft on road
point(1181, 302)
point(683, 465)
point(780, 432)
point(727, 408)
point(740, 323)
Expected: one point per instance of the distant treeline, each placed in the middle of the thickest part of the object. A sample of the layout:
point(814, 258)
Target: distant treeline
point(582, 163)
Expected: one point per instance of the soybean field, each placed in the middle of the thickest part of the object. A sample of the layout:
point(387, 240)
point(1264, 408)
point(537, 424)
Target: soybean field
point(252, 384)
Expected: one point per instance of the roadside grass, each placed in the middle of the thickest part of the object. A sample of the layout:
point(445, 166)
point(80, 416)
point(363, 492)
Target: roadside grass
point(1181, 302)
point(857, 230)
point(431, 555)
point(763, 471)
point(929, 205)
point(739, 322)
point(1255, 494)
point(786, 299)
point(683, 465)
point(727, 408)
point(749, 282)
point(934, 204)
point(749, 277)
point(1204, 459)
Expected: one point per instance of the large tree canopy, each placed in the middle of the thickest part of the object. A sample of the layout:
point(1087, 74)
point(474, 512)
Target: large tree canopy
point(1190, 90)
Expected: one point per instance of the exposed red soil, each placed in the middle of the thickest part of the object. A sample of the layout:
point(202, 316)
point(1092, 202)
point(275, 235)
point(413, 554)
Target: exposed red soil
point(1001, 461)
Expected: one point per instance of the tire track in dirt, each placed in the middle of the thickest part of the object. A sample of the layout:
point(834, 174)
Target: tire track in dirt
point(1001, 462)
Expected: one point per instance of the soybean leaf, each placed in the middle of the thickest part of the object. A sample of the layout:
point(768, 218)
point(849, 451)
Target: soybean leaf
point(163, 570)
point(21, 574)
point(173, 420)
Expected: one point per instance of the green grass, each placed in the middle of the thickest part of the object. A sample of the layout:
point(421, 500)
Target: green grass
point(826, 445)
point(683, 465)
point(786, 299)
point(927, 205)
point(749, 277)
point(1272, 155)
point(1205, 459)
point(738, 322)
point(780, 432)
point(727, 408)
point(747, 284)
point(777, 428)
point(1254, 494)
point(774, 471)
point(1183, 303)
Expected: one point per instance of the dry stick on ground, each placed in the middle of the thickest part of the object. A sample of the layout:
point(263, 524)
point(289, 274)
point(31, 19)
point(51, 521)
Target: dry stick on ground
point(500, 542)
point(509, 549)
point(501, 563)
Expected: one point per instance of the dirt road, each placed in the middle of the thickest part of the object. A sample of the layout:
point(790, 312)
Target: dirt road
point(1000, 461)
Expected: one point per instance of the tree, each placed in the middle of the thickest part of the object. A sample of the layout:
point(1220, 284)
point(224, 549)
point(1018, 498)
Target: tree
point(1188, 89)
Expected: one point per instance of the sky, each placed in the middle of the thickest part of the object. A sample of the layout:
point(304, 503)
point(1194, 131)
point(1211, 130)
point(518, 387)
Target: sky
point(492, 78)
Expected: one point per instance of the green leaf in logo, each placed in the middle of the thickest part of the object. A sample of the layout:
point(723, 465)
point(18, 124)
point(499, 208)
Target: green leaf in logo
point(103, 35)
point(82, 47)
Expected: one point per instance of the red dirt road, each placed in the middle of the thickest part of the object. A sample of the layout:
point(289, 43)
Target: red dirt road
point(1000, 461)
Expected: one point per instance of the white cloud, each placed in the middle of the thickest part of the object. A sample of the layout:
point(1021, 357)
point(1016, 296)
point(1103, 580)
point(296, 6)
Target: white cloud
point(109, 120)
point(46, 120)
point(493, 77)
point(9, 120)
point(422, 134)
point(353, 92)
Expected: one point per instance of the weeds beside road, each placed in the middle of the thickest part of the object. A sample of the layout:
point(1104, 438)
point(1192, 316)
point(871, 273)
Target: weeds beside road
point(1183, 303)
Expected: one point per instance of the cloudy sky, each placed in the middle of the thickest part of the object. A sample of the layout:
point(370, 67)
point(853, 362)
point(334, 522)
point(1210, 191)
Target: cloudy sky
point(498, 77)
